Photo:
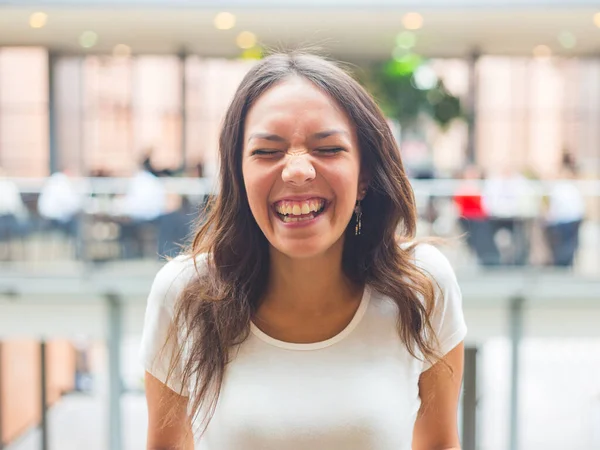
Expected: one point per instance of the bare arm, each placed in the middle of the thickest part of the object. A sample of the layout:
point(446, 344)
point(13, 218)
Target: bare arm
point(176, 435)
point(439, 389)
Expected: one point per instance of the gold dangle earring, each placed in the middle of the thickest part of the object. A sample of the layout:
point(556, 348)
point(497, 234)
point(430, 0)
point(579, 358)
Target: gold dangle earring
point(358, 213)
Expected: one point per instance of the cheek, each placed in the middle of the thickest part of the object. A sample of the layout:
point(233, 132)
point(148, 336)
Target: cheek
point(258, 184)
point(344, 180)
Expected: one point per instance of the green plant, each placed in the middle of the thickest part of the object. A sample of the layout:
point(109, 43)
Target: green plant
point(400, 97)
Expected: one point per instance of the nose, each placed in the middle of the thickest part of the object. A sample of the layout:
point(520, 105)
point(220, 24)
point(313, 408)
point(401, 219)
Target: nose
point(298, 170)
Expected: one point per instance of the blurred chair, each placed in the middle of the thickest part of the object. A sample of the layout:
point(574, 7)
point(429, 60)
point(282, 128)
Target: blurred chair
point(512, 207)
point(140, 211)
point(60, 204)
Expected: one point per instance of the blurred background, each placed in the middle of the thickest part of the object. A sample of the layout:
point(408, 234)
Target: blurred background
point(109, 117)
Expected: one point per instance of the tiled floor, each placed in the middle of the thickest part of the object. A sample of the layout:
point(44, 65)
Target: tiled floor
point(559, 403)
point(80, 422)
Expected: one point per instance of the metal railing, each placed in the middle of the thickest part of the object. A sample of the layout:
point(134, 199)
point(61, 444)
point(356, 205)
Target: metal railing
point(101, 233)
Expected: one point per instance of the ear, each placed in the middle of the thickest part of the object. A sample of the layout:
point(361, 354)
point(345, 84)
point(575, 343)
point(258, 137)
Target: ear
point(363, 185)
point(362, 191)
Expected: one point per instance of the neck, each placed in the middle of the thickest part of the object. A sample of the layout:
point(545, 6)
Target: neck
point(308, 286)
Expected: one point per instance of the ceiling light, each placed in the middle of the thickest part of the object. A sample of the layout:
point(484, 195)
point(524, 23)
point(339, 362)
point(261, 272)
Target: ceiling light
point(406, 40)
point(224, 21)
point(412, 21)
point(597, 19)
point(567, 39)
point(252, 53)
point(542, 51)
point(122, 50)
point(399, 53)
point(246, 40)
point(38, 20)
point(88, 39)
point(425, 78)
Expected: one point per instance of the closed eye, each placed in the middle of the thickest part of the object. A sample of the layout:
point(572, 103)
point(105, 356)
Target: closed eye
point(329, 150)
point(264, 152)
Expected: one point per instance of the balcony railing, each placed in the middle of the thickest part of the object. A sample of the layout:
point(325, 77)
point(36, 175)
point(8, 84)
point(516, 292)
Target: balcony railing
point(102, 231)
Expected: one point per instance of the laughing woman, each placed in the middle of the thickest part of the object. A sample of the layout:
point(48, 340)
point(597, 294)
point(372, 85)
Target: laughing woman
point(303, 315)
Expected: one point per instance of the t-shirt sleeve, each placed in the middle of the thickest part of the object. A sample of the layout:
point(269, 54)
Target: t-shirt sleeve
point(156, 352)
point(447, 318)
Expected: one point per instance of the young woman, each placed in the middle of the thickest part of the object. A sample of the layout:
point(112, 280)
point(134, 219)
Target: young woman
point(303, 317)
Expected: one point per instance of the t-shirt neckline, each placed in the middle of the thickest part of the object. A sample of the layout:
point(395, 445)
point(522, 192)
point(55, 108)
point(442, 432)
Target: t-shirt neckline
point(358, 315)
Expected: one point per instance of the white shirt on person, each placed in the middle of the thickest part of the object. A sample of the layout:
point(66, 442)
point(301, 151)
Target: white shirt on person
point(11, 202)
point(510, 197)
point(355, 391)
point(59, 198)
point(566, 203)
point(146, 198)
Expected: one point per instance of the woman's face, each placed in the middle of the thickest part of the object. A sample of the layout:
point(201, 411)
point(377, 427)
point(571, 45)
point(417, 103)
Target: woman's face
point(301, 168)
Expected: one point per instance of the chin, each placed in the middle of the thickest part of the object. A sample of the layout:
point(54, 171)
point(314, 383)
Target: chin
point(305, 248)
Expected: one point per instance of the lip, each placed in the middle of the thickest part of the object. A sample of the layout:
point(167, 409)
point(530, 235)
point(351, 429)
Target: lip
point(302, 224)
point(297, 198)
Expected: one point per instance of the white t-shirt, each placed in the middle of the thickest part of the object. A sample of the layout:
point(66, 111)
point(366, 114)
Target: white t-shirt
point(146, 198)
point(59, 198)
point(566, 203)
point(355, 391)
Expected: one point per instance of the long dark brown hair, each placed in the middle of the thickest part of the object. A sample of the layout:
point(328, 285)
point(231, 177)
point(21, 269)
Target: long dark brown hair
point(213, 314)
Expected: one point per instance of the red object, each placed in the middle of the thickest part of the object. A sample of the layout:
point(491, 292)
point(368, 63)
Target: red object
point(470, 205)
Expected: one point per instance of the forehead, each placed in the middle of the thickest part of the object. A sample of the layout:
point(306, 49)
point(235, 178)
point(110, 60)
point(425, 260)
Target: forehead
point(299, 104)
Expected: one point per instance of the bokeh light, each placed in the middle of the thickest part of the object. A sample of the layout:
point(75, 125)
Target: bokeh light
point(224, 21)
point(406, 40)
point(122, 50)
point(567, 39)
point(597, 19)
point(252, 53)
point(412, 21)
point(398, 53)
point(88, 39)
point(542, 51)
point(425, 78)
point(403, 65)
point(246, 40)
point(38, 20)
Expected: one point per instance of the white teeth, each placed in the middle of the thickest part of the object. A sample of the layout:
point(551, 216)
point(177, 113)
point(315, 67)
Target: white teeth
point(299, 209)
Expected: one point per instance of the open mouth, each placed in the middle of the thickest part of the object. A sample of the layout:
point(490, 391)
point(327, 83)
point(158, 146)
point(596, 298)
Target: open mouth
point(294, 211)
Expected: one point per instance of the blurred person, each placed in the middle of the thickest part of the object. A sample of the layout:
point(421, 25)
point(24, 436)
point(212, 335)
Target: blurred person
point(142, 206)
point(564, 215)
point(299, 318)
point(145, 199)
point(510, 202)
point(13, 212)
point(100, 172)
point(60, 202)
point(149, 166)
point(474, 218)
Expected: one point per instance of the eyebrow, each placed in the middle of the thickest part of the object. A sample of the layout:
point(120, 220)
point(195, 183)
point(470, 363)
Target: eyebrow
point(277, 138)
point(266, 137)
point(328, 133)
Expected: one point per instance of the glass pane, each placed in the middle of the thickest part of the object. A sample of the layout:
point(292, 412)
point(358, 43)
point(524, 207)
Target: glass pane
point(107, 133)
point(211, 84)
point(24, 111)
point(156, 96)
